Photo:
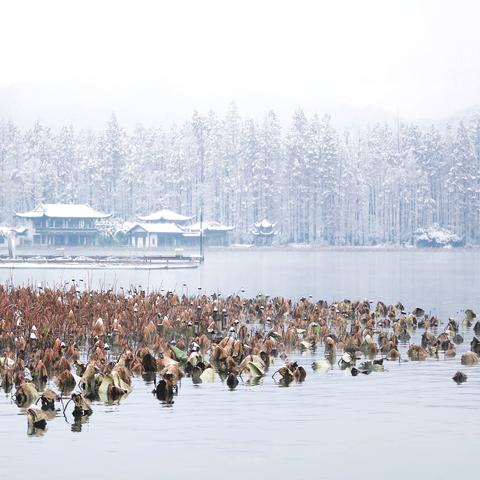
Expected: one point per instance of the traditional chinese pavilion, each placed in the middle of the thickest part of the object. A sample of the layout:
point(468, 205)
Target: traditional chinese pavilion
point(146, 235)
point(167, 228)
point(63, 224)
point(214, 233)
point(263, 232)
point(166, 216)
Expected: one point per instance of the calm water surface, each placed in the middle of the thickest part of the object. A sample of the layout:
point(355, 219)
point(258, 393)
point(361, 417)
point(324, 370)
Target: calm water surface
point(410, 421)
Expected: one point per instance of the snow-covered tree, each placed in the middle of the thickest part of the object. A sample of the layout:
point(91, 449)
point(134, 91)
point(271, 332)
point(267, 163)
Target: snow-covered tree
point(319, 185)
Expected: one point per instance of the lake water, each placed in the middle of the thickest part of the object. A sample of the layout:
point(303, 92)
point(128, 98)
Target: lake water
point(442, 281)
point(410, 421)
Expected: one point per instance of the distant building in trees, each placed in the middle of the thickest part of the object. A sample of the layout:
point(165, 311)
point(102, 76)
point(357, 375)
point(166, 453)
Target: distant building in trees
point(263, 232)
point(167, 228)
point(164, 228)
point(63, 224)
point(146, 235)
point(166, 216)
point(214, 233)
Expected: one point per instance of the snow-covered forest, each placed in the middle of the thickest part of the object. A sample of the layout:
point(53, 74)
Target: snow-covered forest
point(319, 185)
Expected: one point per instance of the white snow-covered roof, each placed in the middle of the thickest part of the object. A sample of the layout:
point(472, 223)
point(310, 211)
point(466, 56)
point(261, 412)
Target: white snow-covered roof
point(165, 215)
point(158, 228)
point(262, 233)
point(125, 226)
point(210, 227)
point(265, 224)
point(64, 210)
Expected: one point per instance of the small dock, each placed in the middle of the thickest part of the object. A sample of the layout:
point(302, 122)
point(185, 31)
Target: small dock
point(103, 262)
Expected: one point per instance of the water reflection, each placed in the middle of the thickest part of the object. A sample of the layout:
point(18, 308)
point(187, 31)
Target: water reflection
point(164, 390)
point(37, 420)
point(37, 431)
point(284, 382)
point(149, 377)
point(254, 381)
point(79, 422)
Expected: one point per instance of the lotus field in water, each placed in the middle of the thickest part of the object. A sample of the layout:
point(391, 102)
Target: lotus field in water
point(63, 350)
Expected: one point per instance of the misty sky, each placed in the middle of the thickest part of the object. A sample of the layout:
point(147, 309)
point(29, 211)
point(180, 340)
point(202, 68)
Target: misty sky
point(159, 60)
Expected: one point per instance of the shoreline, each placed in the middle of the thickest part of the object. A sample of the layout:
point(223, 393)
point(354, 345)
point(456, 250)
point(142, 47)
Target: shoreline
point(140, 254)
point(93, 266)
point(320, 248)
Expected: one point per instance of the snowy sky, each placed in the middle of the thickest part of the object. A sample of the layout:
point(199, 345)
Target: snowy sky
point(149, 59)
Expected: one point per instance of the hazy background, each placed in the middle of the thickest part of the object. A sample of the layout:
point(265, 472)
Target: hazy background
point(155, 61)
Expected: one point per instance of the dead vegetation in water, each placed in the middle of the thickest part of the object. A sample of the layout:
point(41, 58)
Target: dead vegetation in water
point(87, 346)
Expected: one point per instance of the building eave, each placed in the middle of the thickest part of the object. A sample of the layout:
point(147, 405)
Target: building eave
point(64, 210)
point(165, 215)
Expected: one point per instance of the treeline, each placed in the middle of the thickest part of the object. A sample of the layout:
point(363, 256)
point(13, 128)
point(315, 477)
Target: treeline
point(318, 185)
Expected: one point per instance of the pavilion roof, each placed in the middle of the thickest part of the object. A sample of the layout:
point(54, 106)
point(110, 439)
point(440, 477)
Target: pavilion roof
point(165, 215)
point(264, 224)
point(64, 210)
point(210, 227)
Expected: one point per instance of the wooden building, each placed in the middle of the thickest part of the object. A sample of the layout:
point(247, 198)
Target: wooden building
point(153, 235)
point(214, 233)
point(63, 224)
point(166, 216)
point(263, 232)
point(167, 228)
